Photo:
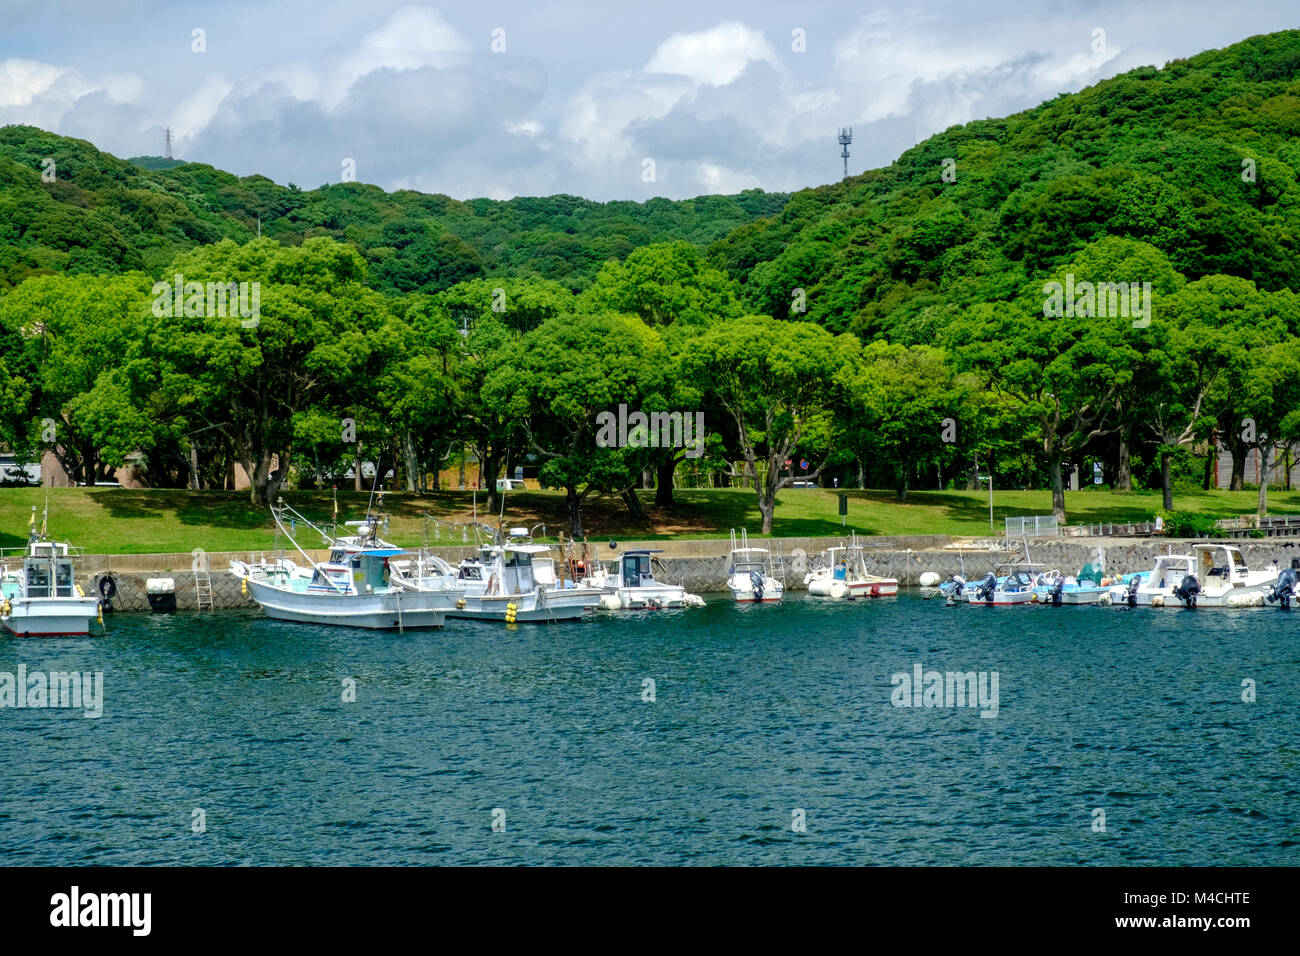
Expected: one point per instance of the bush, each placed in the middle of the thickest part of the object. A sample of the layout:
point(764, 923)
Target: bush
point(1189, 524)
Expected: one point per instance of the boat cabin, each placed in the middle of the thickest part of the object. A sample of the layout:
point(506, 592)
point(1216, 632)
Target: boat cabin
point(745, 560)
point(47, 571)
point(1220, 561)
point(360, 572)
point(634, 569)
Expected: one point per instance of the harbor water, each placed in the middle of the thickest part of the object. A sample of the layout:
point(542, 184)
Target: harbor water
point(731, 735)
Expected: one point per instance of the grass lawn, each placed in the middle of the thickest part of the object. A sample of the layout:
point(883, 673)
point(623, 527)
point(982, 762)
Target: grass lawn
point(124, 521)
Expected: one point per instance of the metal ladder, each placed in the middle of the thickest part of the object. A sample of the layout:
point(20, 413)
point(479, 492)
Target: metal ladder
point(203, 589)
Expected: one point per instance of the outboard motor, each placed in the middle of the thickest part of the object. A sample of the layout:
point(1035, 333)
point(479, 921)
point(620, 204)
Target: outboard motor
point(756, 580)
point(1134, 583)
point(1284, 589)
point(952, 588)
point(1056, 591)
point(986, 587)
point(1187, 590)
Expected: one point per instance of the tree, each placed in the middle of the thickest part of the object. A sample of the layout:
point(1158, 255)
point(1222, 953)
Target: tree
point(778, 382)
point(313, 333)
point(559, 378)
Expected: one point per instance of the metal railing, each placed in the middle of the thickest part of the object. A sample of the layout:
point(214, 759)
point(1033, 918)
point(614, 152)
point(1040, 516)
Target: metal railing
point(1033, 526)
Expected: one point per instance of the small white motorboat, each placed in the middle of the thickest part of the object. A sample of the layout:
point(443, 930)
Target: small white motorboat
point(843, 574)
point(629, 582)
point(749, 576)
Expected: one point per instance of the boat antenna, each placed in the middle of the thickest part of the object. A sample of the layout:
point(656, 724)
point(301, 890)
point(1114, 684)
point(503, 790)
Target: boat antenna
point(336, 510)
point(45, 515)
point(373, 485)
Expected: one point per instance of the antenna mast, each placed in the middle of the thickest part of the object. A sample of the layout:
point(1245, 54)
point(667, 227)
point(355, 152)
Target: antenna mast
point(167, 143)
point(846, 137)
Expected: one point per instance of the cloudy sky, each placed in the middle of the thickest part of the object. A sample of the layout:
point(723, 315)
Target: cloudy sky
point(531, 97)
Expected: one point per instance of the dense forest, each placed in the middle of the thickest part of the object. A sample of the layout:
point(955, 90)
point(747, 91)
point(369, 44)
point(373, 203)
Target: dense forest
point(1109, 277)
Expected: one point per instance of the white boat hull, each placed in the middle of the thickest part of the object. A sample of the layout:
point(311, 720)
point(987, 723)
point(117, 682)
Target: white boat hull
point(663, 595)
point(567, 605)
point(393, 610)
point(743, 591)
point(51, 617)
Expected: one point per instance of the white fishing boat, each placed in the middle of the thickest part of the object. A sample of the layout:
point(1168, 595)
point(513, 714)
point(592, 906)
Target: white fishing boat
point(1056, 588)
point(514, 581)
point(1220, 578)
point(40, 597)
point(356, 587)
point(1007, 585)
point(1156, 587)
point(843, 574)
point(629, 582)
point(750, 576)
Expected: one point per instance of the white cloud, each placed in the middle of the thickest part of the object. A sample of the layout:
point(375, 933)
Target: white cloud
point(716, 56)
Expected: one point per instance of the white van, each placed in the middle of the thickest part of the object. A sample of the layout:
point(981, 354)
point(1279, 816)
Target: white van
point(510, 484)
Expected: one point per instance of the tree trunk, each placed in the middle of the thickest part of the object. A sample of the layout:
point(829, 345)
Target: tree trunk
point(634, 505)
point(1238, 481)
point(767, 507)
point(356, 473)
point(862, 475)
point(259, 482)
point(1058, 489)
point(1166, 480)
point(1124, 466)
point(412, 462)
point(574, 503)
point(1211, 466)
point(664, 481)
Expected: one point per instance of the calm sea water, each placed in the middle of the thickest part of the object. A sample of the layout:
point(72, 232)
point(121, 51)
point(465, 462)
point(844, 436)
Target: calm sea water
point(758, 712)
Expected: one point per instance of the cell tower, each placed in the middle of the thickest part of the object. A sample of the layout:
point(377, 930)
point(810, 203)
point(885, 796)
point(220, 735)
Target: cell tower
point(846, 137)
point(167, 143)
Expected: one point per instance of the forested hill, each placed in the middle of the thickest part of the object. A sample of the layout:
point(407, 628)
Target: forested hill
point(101, 214)
point(1156, 155)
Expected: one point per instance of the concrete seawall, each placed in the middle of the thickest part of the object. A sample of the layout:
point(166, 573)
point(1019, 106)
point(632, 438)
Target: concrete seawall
point(702, 565)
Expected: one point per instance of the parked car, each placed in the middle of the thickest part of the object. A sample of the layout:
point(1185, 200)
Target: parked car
point(803, 484)
point(510, 484)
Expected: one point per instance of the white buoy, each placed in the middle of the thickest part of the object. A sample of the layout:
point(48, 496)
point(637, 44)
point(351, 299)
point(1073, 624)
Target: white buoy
point(837, 589)
point(692, 600)
point(611, 602)
point(930, 579)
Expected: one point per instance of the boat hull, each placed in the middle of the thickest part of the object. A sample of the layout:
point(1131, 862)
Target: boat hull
point(51, 617)
point(554, 608)
point(393, 610)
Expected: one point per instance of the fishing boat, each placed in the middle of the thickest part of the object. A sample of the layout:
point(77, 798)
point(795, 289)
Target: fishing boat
point(40, 597)
point(508, 582)
point(1220, 578)
point(1156, 587)
point(843, 574)
point(1053, 587)
point(629, 582)
point(750, 576)
point(1007, 585)
point(356, 587)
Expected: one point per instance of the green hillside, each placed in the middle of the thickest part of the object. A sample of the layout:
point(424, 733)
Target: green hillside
point(101, 214)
